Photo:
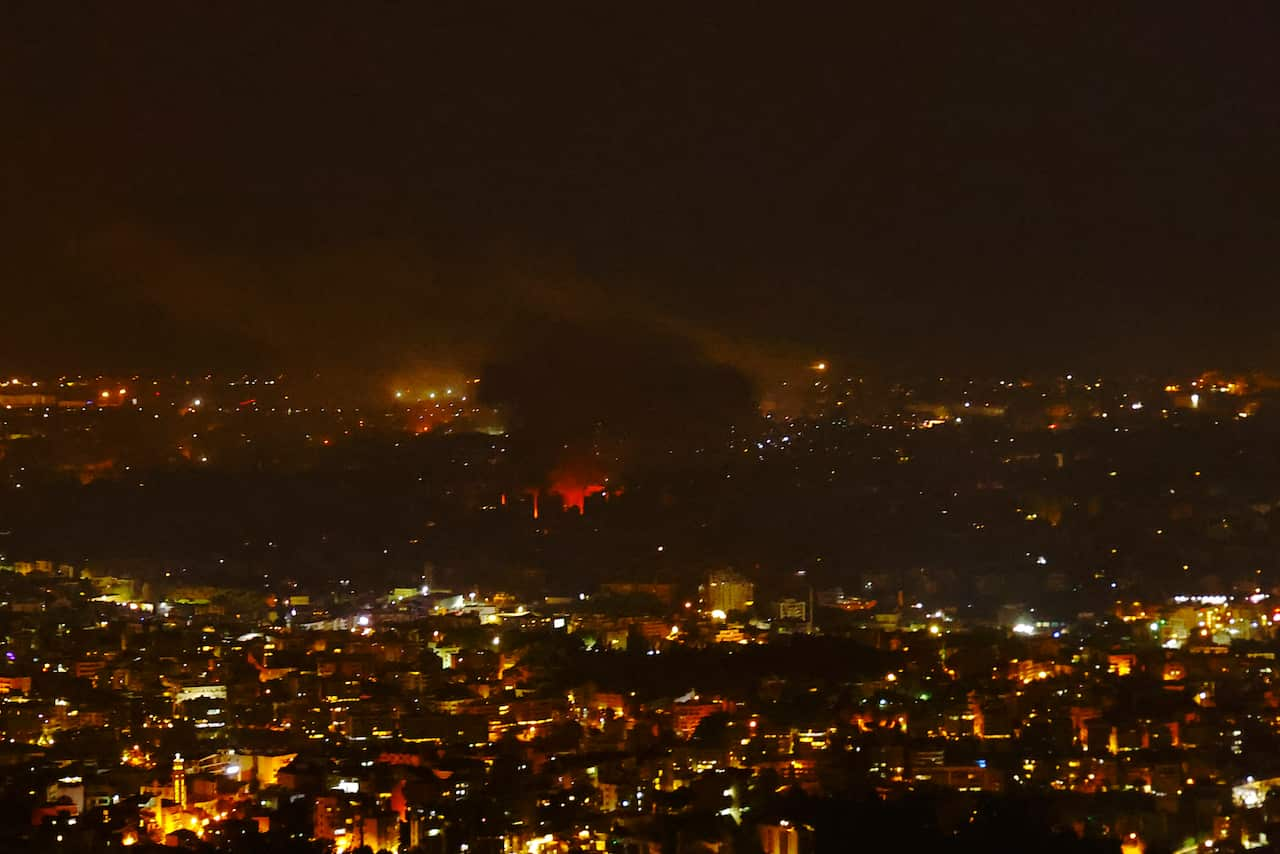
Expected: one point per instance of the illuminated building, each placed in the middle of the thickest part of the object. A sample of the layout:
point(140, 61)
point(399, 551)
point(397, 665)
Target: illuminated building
point(792, 609)
point(179, 782)
point(727, 591)
point(785, 837)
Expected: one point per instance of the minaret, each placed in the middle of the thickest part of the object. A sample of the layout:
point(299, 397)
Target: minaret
point(179, 781)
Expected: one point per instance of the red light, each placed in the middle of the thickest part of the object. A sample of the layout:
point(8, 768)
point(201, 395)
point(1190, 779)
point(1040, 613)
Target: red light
point(574, 482)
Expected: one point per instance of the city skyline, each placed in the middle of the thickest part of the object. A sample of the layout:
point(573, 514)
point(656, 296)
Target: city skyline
point(502, 429)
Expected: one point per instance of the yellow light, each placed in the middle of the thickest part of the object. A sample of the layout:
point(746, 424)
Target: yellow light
point(105, 395)
point(820, 366)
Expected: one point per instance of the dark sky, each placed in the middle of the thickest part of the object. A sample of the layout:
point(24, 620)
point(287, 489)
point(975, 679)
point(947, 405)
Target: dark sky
point(385, 186)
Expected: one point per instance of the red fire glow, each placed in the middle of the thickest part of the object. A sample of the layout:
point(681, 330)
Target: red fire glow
point(535, 494)
point(575, 483)
point(572, 483)
point(575, 494)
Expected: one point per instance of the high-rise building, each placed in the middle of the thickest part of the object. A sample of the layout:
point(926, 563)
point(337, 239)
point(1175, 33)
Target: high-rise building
point(728, 591)
point(179, 781)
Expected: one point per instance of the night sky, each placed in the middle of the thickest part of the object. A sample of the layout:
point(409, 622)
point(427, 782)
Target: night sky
point(391, 187)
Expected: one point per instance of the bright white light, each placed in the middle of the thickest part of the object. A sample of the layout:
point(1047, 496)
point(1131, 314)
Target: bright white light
point(1025, 629)
point(718, 614)
point(362, 620)
point(232, 771)
point(1136, 406)
point(1195, 401)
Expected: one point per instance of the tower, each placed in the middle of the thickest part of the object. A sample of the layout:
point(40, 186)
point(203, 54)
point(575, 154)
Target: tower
point(179, 781)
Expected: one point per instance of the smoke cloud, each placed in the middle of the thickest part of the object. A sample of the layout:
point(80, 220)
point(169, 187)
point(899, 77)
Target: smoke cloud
point(584, 400)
